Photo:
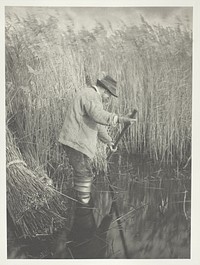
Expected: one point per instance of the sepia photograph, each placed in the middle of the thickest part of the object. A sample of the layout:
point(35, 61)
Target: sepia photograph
point(98, 127)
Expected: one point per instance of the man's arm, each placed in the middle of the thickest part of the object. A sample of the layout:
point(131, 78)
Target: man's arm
point(103, 135)
point(94, 109)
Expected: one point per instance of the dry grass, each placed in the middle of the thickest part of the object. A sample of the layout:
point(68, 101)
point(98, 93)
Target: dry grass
point(34, 206)
point(45, 67)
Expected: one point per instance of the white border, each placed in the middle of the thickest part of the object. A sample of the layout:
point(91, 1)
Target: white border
point(195, 245)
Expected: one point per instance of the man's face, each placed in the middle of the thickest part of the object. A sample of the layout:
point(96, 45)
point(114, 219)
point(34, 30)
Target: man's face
point(106, 96)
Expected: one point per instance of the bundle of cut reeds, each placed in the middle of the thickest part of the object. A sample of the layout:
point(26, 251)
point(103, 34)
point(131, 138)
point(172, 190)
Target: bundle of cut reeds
point(34, 206)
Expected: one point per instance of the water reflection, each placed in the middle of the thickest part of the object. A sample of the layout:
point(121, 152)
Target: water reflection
point(155, 212)
point(153, 207)
point(86, 240)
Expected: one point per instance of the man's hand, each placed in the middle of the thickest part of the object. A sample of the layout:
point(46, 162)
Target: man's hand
point(111, 146)
point(126, 120)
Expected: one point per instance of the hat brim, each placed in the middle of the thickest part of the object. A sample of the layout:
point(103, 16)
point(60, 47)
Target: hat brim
point(108, 87)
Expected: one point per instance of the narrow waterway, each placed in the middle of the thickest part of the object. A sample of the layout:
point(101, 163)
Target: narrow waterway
point(151, 208)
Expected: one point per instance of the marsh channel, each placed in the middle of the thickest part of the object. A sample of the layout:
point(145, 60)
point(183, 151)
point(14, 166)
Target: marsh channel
point(153, 204)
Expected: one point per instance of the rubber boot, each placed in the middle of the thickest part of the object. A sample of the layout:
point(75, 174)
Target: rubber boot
point(82, 185)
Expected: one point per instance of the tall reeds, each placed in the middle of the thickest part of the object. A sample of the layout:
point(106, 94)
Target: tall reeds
point(45, 66)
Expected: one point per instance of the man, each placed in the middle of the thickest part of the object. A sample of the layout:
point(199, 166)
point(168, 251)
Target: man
point(85, 122)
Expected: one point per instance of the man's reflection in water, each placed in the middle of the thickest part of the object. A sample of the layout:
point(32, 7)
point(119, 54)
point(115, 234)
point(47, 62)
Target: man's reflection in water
point(86, 240)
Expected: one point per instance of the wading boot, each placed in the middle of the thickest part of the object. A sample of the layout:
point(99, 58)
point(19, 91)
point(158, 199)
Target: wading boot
point(82, 186)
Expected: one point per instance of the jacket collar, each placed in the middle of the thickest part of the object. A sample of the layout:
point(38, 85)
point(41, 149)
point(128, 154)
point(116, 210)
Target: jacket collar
point(97, 90)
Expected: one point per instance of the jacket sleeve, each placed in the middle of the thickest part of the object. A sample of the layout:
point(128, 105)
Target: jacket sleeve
point(94, 109)
point(103, 134)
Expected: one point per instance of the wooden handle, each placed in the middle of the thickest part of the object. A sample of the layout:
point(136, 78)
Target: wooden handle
point(132, 116)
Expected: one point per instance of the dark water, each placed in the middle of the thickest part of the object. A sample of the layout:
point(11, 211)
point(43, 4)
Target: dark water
point(154, 204)
point(153, 213)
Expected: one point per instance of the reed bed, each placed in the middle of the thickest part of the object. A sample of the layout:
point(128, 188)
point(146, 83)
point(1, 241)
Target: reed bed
point(45, 66)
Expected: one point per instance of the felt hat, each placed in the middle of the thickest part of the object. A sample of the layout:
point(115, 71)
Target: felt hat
point(108, 83)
